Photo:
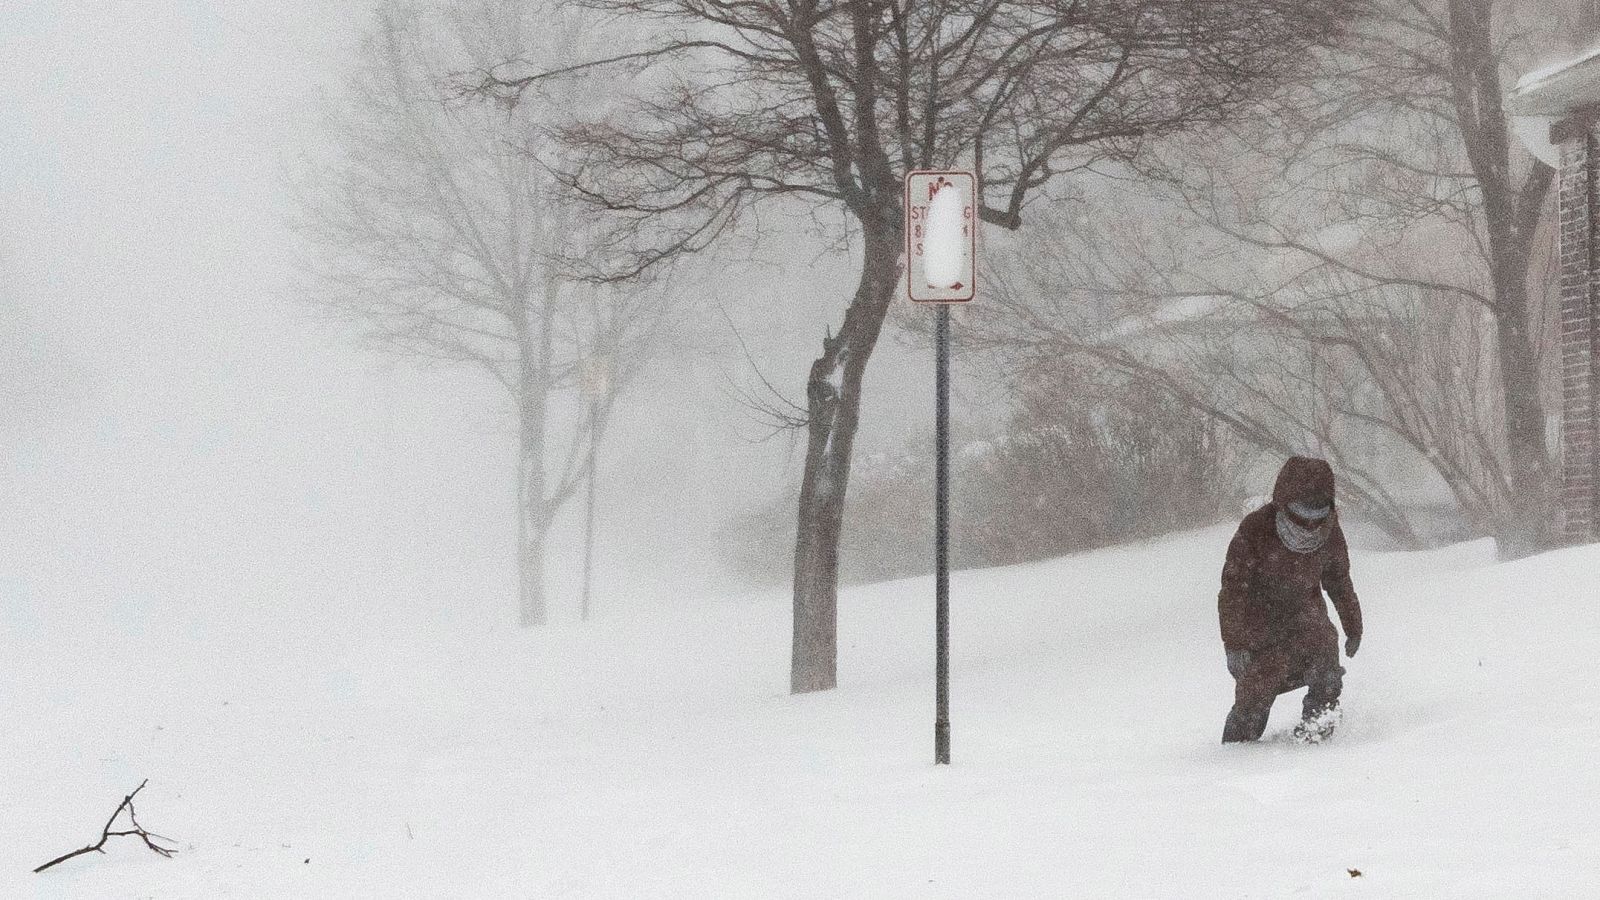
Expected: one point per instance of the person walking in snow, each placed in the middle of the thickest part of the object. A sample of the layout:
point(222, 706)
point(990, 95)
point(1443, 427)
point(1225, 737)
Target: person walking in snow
point(1275, 626)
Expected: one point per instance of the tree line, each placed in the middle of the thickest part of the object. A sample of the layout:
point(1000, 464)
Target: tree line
point(1288, 226)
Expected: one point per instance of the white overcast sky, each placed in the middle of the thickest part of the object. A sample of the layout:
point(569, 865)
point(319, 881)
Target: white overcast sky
point(178, 428)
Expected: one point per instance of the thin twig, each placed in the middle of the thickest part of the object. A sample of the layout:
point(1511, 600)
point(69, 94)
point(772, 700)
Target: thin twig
point(107, 834)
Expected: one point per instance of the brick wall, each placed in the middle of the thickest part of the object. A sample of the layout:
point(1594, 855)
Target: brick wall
point(1580, 338)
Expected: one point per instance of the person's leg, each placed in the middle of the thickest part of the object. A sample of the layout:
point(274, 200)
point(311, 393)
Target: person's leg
point(1246, 721)
point(1325, 682)
point(1253, 693)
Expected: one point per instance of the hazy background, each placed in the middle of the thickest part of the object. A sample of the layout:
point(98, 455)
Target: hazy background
point(178, 428)
point(245, 560)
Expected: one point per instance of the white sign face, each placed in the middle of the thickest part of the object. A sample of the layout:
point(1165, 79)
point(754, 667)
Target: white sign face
point(941, 236)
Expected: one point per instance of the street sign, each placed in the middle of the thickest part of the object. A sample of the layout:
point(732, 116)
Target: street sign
point(942, 268)
point(941, 236)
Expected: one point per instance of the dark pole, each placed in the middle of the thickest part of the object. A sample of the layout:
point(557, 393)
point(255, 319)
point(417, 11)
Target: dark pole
point(941, 538)
point(588, 516)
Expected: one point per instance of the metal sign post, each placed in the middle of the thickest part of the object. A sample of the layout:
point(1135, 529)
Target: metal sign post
point(941, 268)
point(941, 538)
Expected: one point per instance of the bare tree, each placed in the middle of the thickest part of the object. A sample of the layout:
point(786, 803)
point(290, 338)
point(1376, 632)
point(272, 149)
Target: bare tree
point(1406, 150)
point(1288, 361)
point(438, 229)
point(828, 104)
point(1378, 236)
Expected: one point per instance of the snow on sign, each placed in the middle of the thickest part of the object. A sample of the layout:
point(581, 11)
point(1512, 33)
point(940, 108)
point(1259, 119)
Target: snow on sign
point(941, 237)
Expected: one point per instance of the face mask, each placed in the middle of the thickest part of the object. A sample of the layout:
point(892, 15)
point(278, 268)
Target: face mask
point(1310, 513)
point(1300, 538)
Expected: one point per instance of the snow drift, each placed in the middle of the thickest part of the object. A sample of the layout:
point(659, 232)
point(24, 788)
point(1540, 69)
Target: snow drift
point(368, 743)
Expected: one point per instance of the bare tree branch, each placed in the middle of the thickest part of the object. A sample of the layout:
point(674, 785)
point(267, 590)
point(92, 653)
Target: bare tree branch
point(107, 834)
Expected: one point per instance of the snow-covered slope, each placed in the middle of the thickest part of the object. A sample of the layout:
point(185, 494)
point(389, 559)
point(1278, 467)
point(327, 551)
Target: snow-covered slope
point(358, 746)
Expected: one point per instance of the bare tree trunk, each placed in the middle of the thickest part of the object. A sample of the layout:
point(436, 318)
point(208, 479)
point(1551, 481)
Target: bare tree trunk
point(1527, 452)
point(1511, 217)
point(833, 395)
point(530, 516)
point(530, 529)
point(588, 508)
point(532, 407)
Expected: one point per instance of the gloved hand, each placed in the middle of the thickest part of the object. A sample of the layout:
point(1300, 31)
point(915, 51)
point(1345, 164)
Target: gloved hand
point(1352, 643)
point(1238, 663)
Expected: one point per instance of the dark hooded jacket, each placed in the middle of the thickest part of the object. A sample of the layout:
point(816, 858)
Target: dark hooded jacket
point(1271, 595)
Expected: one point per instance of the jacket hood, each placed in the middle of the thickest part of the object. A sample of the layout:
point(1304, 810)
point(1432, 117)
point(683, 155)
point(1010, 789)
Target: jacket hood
point(1303, 479)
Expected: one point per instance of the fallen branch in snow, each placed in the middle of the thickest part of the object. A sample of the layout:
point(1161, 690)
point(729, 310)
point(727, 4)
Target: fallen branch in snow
point(107, 834)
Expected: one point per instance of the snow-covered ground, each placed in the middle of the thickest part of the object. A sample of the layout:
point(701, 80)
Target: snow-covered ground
point(371, 743)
